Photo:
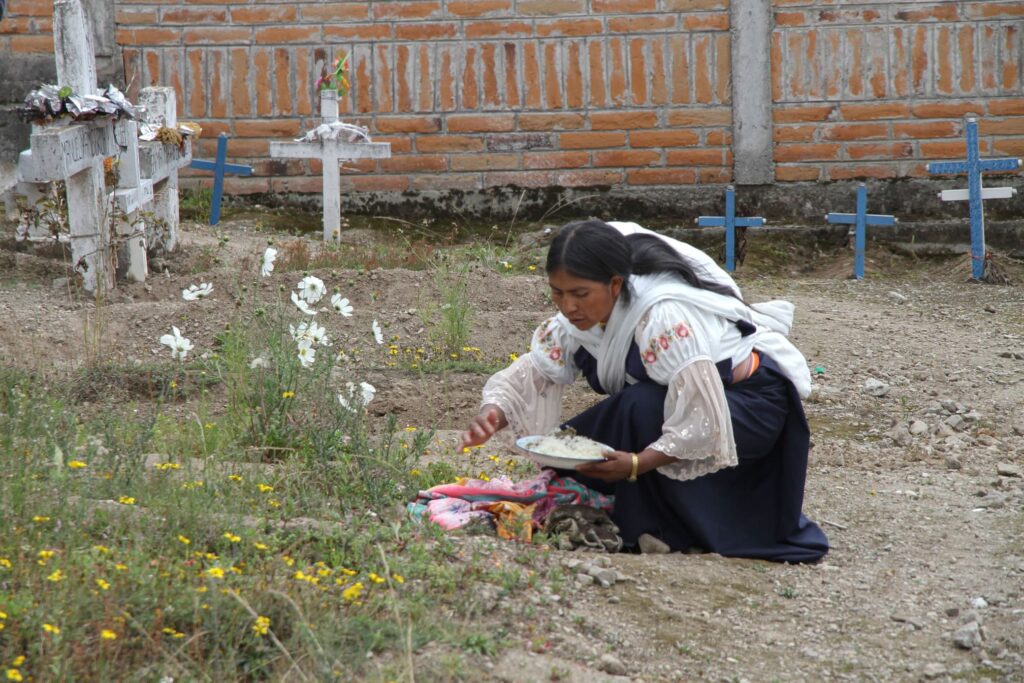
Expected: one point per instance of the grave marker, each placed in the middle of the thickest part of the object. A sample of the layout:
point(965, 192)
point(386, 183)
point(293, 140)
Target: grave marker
point(975, 194)
point(219, 166)
point(159, 162)
point(731, 222)
point(331, 153)
point(860, 221)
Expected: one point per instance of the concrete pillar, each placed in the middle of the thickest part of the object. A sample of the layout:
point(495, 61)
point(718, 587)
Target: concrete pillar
point(751, 29)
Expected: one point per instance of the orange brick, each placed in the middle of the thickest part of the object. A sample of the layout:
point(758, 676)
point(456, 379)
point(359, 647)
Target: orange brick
point(470, 93)
point(591, 140)
point(1014, 146)
point(881, 150)
point(587, 178)
point(794, 133)
point(475, 123)
point(663, 138)
point(850, 16)
point(661, 176)
point(216, 35)
point(943, 150)
point(569, 27)
point(189, 15)
point(791, 19)
point(29, 8)
point(306, 185)
point(574, 76)
point(549, 7)
point(944, 110)
point(638, 71)
point(854, 171)
point(269, 128)
point(403, 59)
point(404, 11)
point(399, 145)
point(854, 131)
point(544, 122)
point(531, 75)
point(240, 104)
point(497, 29)
point(246, 185)
point(696, 157)
point(541, 160)
point(425, 31)
point(706, 22)
point(408, 124)
point(264, 15)
point(714, 175)
point(518, 179)
point(944, 53)
point(627, 158)
point(617, 82)
point(359, 32)
point(723, 67)
point(336, 11)
point(680, 84)
point(796, 173)
point(691, 118)
point(811, 152)
point(694, 5)
point(261, 65)
point(1006, 106)
point(288, 34)
point(30, 44)
point(622, 6)
point(777, 66)
point(448, 143)
point(919, 57)
point(414, 163)
point(218, 89)
point(448, 181)
point(718, 138)
point(489, 69)
point(553, 80)
point(873, 112)
point(947, 11)
point(446, 87)
point(659, 76)
point(1011, 126)
point(702, 69)
point(926, 129)
point(629, 120)
point(993, 10)
point(484, 162)
point(303, 98)
point(140, 36)
point(380, 183)
point(511, 76)
point(643, 24)
point(479, 8)
point(284, 94)
point(248, 147)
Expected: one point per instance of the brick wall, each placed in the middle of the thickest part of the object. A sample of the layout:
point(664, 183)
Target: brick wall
point(574, 93)
point(876, 89)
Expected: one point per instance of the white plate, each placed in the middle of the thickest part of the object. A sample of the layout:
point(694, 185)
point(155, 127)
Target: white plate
point(526, 443)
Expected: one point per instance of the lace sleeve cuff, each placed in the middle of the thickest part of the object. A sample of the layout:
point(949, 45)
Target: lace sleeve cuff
point(532, 403)
point(698, 428)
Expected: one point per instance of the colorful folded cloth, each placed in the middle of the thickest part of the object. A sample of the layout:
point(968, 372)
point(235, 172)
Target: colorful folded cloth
point(453, 506)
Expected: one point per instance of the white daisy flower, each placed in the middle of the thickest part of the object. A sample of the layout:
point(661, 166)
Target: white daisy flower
point(200, 291)
point(311, 289)
point(179, 345)
point(378, 335)
point(341, 305)
point(267, 262)
point(303, 306)
point(307, 354)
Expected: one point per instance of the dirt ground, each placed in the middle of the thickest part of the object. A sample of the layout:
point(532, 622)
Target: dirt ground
point(915, 473)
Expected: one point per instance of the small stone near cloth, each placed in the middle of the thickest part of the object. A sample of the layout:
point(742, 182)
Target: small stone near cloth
point(581, 526)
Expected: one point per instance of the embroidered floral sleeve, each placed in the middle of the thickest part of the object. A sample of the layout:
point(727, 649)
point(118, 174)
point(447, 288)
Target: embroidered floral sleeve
point(532, 403)
point(552, 349)
point(676, 350)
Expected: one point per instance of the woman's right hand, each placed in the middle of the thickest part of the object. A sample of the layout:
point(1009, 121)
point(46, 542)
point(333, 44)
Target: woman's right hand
point(490, 419)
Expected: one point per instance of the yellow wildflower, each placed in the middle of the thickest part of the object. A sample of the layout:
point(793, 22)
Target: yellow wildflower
point(18, 661)
point(101, 548)
point(126, 500)
point(50, 628)
point(513, 356)
point(102, 584)
point(174, 385)
point(398, 578)
point(121, 567)
point(353, 592)
point(56, 577)
point(288, 560)
point(77, 464)
point(262, 626)
point(162, 466)
point(40, 518)
point(274, 503)
point(234, 477)
point(5, 563)
point(264, 488)
point(107, 634)
point(287, 394)
point(348, 572)
point(14, 675)
point(375, 578)
point(232, 537)
point(532, 268)
point(260, 546)
point(215, 572)
point(3, 615)
point(184, 539)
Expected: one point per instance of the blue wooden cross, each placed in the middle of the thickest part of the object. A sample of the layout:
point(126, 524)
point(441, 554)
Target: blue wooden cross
point(731, 222)
point(860, 221)
point(219, 167)
point(974, 194)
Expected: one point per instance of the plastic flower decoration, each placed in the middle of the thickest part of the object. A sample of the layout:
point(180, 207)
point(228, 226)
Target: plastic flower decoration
point(180, 346)
point(200, 291)
point(378, 335)
point(354, 402)
point(303, 306)
point(267, 261)
point(311, 289)
point(341, 305)
point(337, 79)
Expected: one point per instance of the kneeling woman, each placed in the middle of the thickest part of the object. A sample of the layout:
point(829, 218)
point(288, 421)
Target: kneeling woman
point(704, 396)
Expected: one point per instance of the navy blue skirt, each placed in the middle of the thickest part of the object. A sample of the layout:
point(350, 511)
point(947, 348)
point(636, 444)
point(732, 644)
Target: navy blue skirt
point(752, 510)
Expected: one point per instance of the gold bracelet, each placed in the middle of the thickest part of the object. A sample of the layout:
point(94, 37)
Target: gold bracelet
point(636, 466)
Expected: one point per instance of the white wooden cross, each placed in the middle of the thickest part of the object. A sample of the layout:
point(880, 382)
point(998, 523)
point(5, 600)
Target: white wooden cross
point(159, 162)
point(74, 152)
point(331, 152)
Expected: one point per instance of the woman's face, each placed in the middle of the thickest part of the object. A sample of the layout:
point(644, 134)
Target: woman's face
point(584, 302)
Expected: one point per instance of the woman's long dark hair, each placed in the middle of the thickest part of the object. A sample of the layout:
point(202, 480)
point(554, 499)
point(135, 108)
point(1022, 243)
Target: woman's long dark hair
point(594, 250)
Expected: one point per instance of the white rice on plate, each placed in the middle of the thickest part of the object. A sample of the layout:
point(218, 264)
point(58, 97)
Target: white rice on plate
point(567, 446)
